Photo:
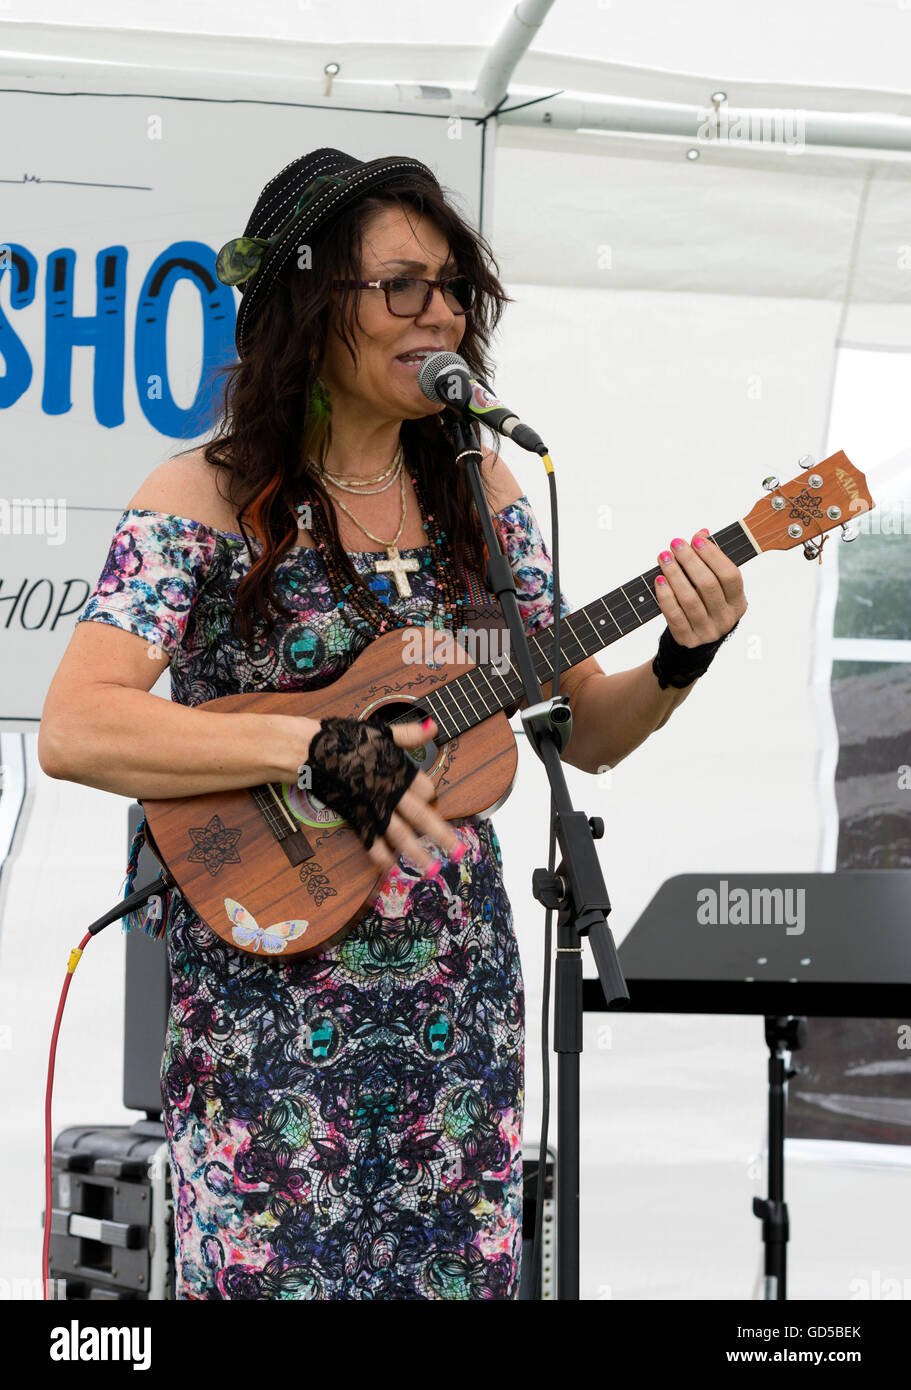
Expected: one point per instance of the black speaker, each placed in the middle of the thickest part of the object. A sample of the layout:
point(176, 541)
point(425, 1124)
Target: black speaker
point(112, 1234)
point(147, 1000)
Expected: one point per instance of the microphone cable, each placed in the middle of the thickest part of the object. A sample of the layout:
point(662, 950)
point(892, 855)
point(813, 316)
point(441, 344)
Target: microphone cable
point(129, 904)
point(540, 1176)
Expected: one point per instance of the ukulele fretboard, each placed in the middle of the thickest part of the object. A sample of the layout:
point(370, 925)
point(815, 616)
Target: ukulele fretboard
point(474, 696)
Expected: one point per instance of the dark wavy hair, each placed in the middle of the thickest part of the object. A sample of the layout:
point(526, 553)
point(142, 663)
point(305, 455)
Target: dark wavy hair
point(269, 424)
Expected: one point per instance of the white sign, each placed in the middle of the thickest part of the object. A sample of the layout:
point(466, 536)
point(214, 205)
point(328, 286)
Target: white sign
point(113, 323)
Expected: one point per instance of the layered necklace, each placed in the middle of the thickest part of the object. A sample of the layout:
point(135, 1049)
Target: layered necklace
point(348, 586)
point(362, 486)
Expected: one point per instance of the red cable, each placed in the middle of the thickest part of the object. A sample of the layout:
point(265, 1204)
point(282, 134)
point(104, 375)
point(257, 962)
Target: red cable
point(48, 1143)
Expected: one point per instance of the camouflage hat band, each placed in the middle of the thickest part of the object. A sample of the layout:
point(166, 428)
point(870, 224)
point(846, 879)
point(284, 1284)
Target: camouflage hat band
point(240, 259)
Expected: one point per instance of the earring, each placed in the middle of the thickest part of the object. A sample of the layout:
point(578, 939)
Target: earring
point(320, 404)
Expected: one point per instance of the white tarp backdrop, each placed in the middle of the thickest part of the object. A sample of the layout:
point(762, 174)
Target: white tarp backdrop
point(673, 337)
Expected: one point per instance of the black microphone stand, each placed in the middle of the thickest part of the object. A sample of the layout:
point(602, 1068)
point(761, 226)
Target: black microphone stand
point(577, 889)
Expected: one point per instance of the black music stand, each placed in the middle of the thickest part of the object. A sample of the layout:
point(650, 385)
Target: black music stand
point(842, 949)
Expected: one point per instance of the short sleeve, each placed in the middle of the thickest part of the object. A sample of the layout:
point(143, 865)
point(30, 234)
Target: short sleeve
point(152, 576)
point(529, 559)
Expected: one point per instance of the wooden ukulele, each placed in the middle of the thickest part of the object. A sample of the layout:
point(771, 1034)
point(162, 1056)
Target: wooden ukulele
point(270, 869)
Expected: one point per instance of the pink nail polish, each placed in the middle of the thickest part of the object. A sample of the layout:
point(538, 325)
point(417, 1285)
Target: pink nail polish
point(459, 852)
point(660, 579)
point(665, 556)
point(426, 725)
point(676, 543)
point(435, 868)
point(698, 542)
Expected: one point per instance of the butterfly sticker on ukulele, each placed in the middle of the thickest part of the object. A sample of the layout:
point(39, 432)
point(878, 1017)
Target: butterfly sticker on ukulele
point(248, 934)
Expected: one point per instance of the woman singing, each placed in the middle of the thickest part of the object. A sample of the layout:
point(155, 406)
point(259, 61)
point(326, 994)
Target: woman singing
point(347, 1124)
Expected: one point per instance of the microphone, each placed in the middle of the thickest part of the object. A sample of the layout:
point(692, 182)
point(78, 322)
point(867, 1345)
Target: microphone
point(446, 377)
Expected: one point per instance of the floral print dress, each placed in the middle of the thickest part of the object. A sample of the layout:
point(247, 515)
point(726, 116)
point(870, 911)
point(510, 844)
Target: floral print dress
point(346, 1125)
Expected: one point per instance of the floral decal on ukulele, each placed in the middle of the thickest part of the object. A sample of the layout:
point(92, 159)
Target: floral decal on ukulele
point(214, 845)
point(251, 936)
point(316, 882)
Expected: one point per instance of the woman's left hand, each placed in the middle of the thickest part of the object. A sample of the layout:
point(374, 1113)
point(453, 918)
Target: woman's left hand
point(703, 595)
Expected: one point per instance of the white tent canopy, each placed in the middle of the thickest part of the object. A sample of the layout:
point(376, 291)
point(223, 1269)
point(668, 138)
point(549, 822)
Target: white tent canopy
point(802, 193)
point(855, 50)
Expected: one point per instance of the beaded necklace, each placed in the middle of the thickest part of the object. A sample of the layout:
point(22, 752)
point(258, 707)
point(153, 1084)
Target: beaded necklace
point(349, 587)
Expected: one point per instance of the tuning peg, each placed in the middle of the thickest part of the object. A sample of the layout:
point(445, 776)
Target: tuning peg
point(810, 550)
point(770, 484)
point(850, 530)
point(806, 461)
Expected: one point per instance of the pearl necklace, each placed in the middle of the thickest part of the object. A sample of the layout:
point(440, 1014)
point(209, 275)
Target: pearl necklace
point(360, 487)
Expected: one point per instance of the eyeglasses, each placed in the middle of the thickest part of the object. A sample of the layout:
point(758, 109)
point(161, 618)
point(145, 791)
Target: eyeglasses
point(408, 298)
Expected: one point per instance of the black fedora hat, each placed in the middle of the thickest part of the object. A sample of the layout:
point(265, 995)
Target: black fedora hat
point(296, 202)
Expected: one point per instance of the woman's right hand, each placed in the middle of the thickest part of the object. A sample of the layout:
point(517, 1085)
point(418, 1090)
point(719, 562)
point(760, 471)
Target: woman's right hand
point(413, 814)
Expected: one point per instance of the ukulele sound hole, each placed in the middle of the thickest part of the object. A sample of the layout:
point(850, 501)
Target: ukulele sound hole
point(425, 755)
point(310, 811)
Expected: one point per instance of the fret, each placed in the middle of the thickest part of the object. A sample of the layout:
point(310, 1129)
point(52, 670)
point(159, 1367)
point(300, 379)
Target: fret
point(596, 623)
point(510, 688)
point(464, 719)
point(619, 608)
point(622, 591)
point(431, 704)
point(480, 693)
point(606, 606)
point(584, 612)
point(645, 602)
point(452, 691)
point(447, 695)
point(469, 685)
point(567, 634)
point(482, 671)
point(467, 717)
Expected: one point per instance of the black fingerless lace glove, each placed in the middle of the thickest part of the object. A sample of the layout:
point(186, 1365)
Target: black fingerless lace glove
point(358, 770)
point(680, 666)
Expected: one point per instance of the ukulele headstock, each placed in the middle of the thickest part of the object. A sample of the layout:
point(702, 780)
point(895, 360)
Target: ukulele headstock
point(823, 496)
